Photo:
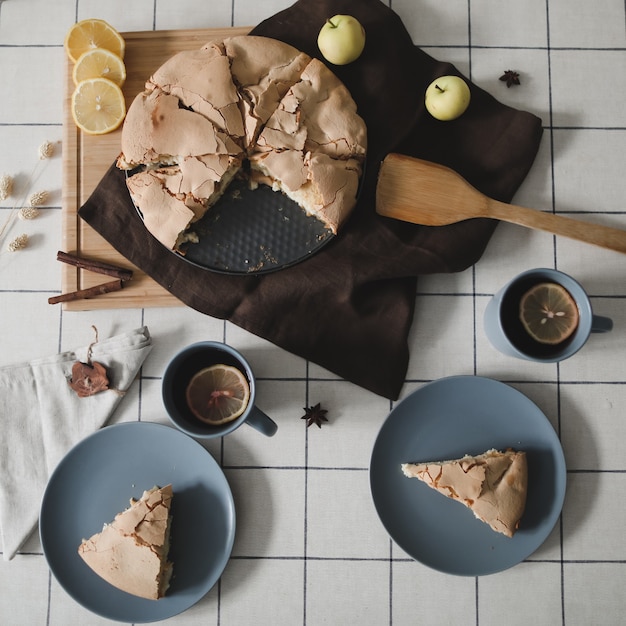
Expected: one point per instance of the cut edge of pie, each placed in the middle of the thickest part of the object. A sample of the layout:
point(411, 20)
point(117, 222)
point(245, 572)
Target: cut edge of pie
point(493, 485)
point(131, 553)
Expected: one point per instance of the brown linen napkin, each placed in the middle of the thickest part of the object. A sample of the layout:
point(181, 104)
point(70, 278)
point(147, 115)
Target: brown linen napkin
point(349, 307)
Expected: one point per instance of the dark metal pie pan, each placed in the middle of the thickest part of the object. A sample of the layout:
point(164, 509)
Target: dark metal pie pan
point(253, 231)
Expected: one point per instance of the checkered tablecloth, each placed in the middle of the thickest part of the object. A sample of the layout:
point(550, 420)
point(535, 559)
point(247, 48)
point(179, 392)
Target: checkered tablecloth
point(310, 548)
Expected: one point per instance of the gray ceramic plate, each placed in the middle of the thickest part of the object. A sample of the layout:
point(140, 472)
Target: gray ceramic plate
point(95, 481)
point(447, 419)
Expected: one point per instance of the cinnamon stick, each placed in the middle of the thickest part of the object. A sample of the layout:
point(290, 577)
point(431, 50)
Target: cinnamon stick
point(94, 266)
point(90, 292)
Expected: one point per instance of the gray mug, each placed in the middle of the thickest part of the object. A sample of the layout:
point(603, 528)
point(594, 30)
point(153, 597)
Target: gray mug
point(182, 368)
point(506, 333)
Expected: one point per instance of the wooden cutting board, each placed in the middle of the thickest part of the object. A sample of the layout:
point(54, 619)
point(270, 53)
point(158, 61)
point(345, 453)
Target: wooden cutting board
point(86, 159)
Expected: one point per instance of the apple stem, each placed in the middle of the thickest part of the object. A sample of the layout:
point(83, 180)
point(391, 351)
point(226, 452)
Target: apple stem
point(332, 24)
point(439, 88)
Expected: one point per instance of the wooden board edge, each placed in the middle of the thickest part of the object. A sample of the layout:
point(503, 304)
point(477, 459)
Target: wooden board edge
point(70, 185)
point(190, 33)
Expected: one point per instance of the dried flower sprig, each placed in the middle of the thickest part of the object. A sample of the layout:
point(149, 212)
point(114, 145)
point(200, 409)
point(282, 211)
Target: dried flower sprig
point(6, 186)
point(28, 213)
point(38, 198)
point(45, 151)
point(18, 243)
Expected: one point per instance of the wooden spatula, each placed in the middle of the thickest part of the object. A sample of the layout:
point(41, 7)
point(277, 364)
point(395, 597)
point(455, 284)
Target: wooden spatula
point(421, 192)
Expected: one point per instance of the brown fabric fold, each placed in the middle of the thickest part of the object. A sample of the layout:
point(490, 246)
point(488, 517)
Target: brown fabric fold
point(349, 307)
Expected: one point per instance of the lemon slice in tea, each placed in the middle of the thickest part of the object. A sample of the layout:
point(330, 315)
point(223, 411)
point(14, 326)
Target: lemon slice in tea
point(218, 394)
point(548, 313)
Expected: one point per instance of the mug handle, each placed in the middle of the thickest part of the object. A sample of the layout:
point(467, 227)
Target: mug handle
point(261, 422)
point(601, 324)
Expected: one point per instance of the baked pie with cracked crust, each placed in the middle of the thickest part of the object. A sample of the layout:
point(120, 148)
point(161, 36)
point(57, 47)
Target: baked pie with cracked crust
point(245, 106)
point(131, 553)
point(493, 485)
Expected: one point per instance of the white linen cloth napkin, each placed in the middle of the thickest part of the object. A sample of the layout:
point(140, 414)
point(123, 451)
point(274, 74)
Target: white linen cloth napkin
point(41, 418)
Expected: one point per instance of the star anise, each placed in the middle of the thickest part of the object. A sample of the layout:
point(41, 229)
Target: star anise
point(511, 77)
point(315, 415)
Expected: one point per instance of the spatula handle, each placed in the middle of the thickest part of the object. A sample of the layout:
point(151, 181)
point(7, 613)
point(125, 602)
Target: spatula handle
point(603, 236)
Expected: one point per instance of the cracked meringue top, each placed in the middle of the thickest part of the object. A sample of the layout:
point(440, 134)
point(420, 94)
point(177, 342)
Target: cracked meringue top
point(493, 485)
point(131, 552)
point(206, 113)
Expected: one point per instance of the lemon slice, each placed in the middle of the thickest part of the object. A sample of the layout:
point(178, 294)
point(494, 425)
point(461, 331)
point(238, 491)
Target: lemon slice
point(99, 63)
point(98, 106)
point(92, 33)
point(548, 313)
point(218, 394)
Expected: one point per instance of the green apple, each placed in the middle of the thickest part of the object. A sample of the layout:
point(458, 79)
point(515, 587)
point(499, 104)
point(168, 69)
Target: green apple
point(447, 97)
point(341, 40)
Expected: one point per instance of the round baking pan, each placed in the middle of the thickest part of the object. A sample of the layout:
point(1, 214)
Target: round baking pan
point(253, 231)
